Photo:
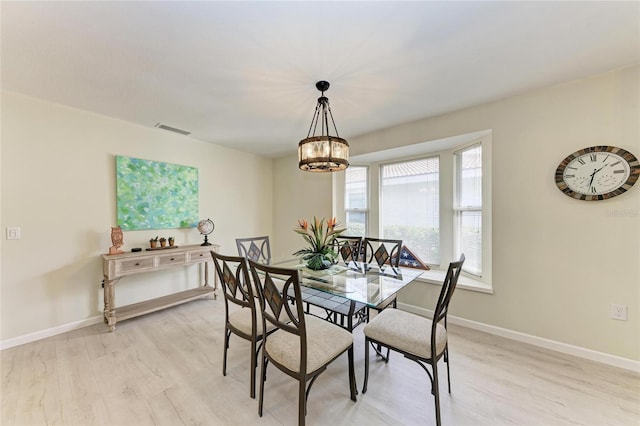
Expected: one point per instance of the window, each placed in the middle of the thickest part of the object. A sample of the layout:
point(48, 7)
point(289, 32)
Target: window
point(356, 201)
point(468, 207)
point(434, 195)
point(410, 206)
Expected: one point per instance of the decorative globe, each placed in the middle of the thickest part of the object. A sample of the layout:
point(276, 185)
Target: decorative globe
point(206, 226)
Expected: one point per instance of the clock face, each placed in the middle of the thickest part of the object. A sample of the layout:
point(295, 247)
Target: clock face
point(597, 173)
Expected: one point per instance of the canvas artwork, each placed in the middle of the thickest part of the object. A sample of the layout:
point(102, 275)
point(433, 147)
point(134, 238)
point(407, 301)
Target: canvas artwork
point(155, 195)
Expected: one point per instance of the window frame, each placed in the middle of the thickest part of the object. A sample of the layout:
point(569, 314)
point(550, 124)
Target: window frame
point(368, 201)
point(444, 147)
point(458, 209)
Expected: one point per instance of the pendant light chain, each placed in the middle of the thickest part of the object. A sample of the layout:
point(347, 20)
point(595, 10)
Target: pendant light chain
point(314, 119)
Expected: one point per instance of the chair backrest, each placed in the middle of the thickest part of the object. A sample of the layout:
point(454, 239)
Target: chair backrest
point(381, 251)
point(448, 287)
point(233, 273)
point(257, 249)
point(348, 248)
point(275, 307)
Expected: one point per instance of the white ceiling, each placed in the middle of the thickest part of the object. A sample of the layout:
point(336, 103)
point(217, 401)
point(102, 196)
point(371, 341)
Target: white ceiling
point(242, 74)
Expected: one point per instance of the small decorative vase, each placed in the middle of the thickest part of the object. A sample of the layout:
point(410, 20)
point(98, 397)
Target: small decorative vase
point(171, 243)
point(153, 244)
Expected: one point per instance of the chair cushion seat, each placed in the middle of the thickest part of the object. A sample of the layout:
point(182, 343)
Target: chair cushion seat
point(325, 341)
point(241, 320)
point(405, 331)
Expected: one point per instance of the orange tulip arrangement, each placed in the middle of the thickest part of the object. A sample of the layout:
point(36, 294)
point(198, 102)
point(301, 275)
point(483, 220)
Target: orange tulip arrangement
point(320, 253)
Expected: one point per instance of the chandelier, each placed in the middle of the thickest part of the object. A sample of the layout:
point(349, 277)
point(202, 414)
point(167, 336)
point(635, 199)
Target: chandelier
point(323, 153)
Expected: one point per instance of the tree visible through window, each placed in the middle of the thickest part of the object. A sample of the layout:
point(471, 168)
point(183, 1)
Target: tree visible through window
point(410, 206)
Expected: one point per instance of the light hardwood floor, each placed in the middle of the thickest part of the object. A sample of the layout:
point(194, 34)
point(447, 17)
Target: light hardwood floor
point(166, 368)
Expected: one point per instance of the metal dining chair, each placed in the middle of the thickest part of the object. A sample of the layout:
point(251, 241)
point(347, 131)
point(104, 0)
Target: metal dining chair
point(419, 339)
point(302, 346)
point(257, 249)
point(383, 253)
point(348, 249)
point(246, 322)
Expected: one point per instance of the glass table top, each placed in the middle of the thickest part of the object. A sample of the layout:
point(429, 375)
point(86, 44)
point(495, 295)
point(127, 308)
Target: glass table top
point(370, 286)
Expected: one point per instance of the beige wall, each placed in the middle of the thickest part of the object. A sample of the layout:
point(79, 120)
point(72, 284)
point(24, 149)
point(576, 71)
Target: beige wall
point(58, 185)
point(557, 262)
point(297, 195)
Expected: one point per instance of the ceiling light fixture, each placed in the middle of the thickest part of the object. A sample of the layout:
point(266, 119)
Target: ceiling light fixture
point(324, 153)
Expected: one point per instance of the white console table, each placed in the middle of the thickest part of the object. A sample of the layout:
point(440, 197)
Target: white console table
point(116, 266)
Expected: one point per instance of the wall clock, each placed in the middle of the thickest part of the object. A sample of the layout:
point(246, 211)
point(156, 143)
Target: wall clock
point(597, 173)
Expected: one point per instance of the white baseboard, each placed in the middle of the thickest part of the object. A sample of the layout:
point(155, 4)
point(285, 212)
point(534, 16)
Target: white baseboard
point(43, 334)
point(604, 358)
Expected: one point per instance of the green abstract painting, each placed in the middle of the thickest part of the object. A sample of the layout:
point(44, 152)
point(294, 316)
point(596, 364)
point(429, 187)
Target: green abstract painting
point(155, 195)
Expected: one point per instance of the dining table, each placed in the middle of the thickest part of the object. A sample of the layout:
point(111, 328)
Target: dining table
point(345, 292)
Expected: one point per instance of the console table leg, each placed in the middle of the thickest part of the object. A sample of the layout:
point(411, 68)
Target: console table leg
point(206, 280)
point(109, 301)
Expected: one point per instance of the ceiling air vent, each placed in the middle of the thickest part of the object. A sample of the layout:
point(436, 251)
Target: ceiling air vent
point(171, 129)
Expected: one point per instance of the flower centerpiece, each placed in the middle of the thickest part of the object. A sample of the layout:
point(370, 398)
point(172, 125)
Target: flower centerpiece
point(320, 253)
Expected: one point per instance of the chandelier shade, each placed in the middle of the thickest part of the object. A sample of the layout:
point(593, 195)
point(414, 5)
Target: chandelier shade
point(323, 153)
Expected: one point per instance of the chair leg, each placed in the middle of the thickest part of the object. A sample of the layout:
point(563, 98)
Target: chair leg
point(263, 375)
point(302, 401)
point(446, 360)
point(435, 390)
point(378, 346)
point(254, 361)
point(394, 305)
point(352, 375)
point(227, 333)
point(366, 365)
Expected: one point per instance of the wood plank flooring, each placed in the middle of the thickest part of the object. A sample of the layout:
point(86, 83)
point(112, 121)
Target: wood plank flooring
point(165, 368)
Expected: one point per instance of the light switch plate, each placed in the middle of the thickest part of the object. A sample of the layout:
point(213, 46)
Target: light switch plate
point(13, 233)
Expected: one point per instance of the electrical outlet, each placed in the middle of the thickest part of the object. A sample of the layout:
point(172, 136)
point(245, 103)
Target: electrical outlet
point(618, 312)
